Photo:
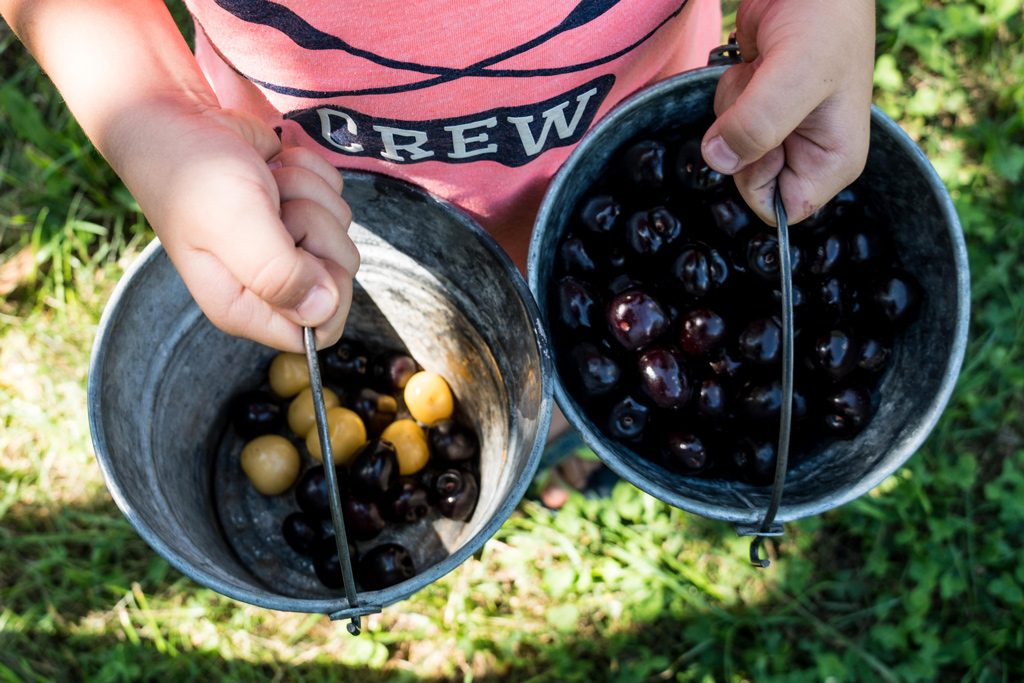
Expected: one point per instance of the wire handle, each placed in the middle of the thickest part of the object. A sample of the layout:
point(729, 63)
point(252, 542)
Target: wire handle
point(768, 527)
point(729, 54)
point(354, 611)
point(726, 54)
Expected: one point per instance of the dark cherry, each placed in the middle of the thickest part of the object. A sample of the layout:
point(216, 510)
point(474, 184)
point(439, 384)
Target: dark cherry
point(255, 413)
point(836, 353)
point(363, 519)
point(874, 354)
point(648, 232)
point(623, 282)
point(761, 341)
point(391, 371)
point(847, 410)
point(616, 258)
point(311, 491)
point(327, 564)
point(663, 377)
point(763, 402)
point(384, 566)
point(636, 319)
point(685, 453)
point(701, 331)
point(301, 532)
point(346, 362)
point(894, 298)
point(846, 203)
point(754, 460)
point(826, 255)
point(373, 473)
point(410, 502)
point(800, 304)
point(627, 419)
point(456, 492)
point(837, 298)
point(644, 163)
point(575, 257)
point(726, 364)
point(700, 269)
point(864, 248)
point(763, 256)
point(376, 410)
point(600, 214)
point(577, 308)
point(731, 216)
point(451, 441)
point(712, 399)
point(693, 173)
point(596, 372)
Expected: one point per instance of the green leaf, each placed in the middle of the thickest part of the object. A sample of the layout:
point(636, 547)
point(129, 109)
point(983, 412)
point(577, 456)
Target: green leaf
point(23, 117)
point(925, 102)
point(363, 651)
point(887, 74)
point(558, 580)
point(1008, 161)
point(563, 618)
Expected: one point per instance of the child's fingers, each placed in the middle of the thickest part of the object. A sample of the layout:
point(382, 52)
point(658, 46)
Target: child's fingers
point(249, 238)
point(311, 161)
point(329, 331)
point(297, 182)
point(771, 104)
point(748, 19)
point(234, 308)
point(756, 183)
point(316, 230)
point(814, 172)
point(240, 309)
point(808, 174)
point(731, 84)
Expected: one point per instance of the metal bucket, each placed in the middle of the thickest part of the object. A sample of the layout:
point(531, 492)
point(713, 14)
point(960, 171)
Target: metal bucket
point(431, 280)
point(902, 184)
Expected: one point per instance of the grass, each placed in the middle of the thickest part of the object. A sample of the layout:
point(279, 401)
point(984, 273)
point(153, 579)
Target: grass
point(920, 580)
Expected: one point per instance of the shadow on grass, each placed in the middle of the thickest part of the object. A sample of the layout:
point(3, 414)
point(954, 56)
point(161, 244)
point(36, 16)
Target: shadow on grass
point(84, 598)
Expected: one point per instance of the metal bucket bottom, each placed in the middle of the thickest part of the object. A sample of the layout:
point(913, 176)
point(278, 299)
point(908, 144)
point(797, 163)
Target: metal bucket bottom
point(431, 281)
point(908, 195)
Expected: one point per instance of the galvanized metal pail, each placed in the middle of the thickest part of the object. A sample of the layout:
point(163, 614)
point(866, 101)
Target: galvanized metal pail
point(430, 280)
point(915, 389)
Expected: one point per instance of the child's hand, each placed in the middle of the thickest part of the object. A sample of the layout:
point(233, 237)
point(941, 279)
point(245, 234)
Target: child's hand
point(797, 110)
point(258, 233)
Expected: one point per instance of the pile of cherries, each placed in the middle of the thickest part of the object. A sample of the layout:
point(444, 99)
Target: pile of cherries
point(401, 454)
point(666, 311)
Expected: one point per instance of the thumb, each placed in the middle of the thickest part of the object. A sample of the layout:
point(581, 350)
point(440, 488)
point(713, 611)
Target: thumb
point(261, 255)
point(759, 104)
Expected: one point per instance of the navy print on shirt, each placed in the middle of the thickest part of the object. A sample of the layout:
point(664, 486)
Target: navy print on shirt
point(305, 35)
point(512, 136)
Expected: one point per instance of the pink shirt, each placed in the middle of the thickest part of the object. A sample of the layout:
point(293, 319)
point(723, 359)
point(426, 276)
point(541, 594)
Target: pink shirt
point(477, 102)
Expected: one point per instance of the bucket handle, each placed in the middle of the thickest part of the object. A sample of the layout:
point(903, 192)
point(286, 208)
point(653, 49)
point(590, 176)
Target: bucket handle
point(354, 611)
point(768, 525)
point(723, 55)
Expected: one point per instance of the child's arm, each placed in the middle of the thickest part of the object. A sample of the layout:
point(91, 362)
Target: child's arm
point(797, 110)
point(229, 205)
